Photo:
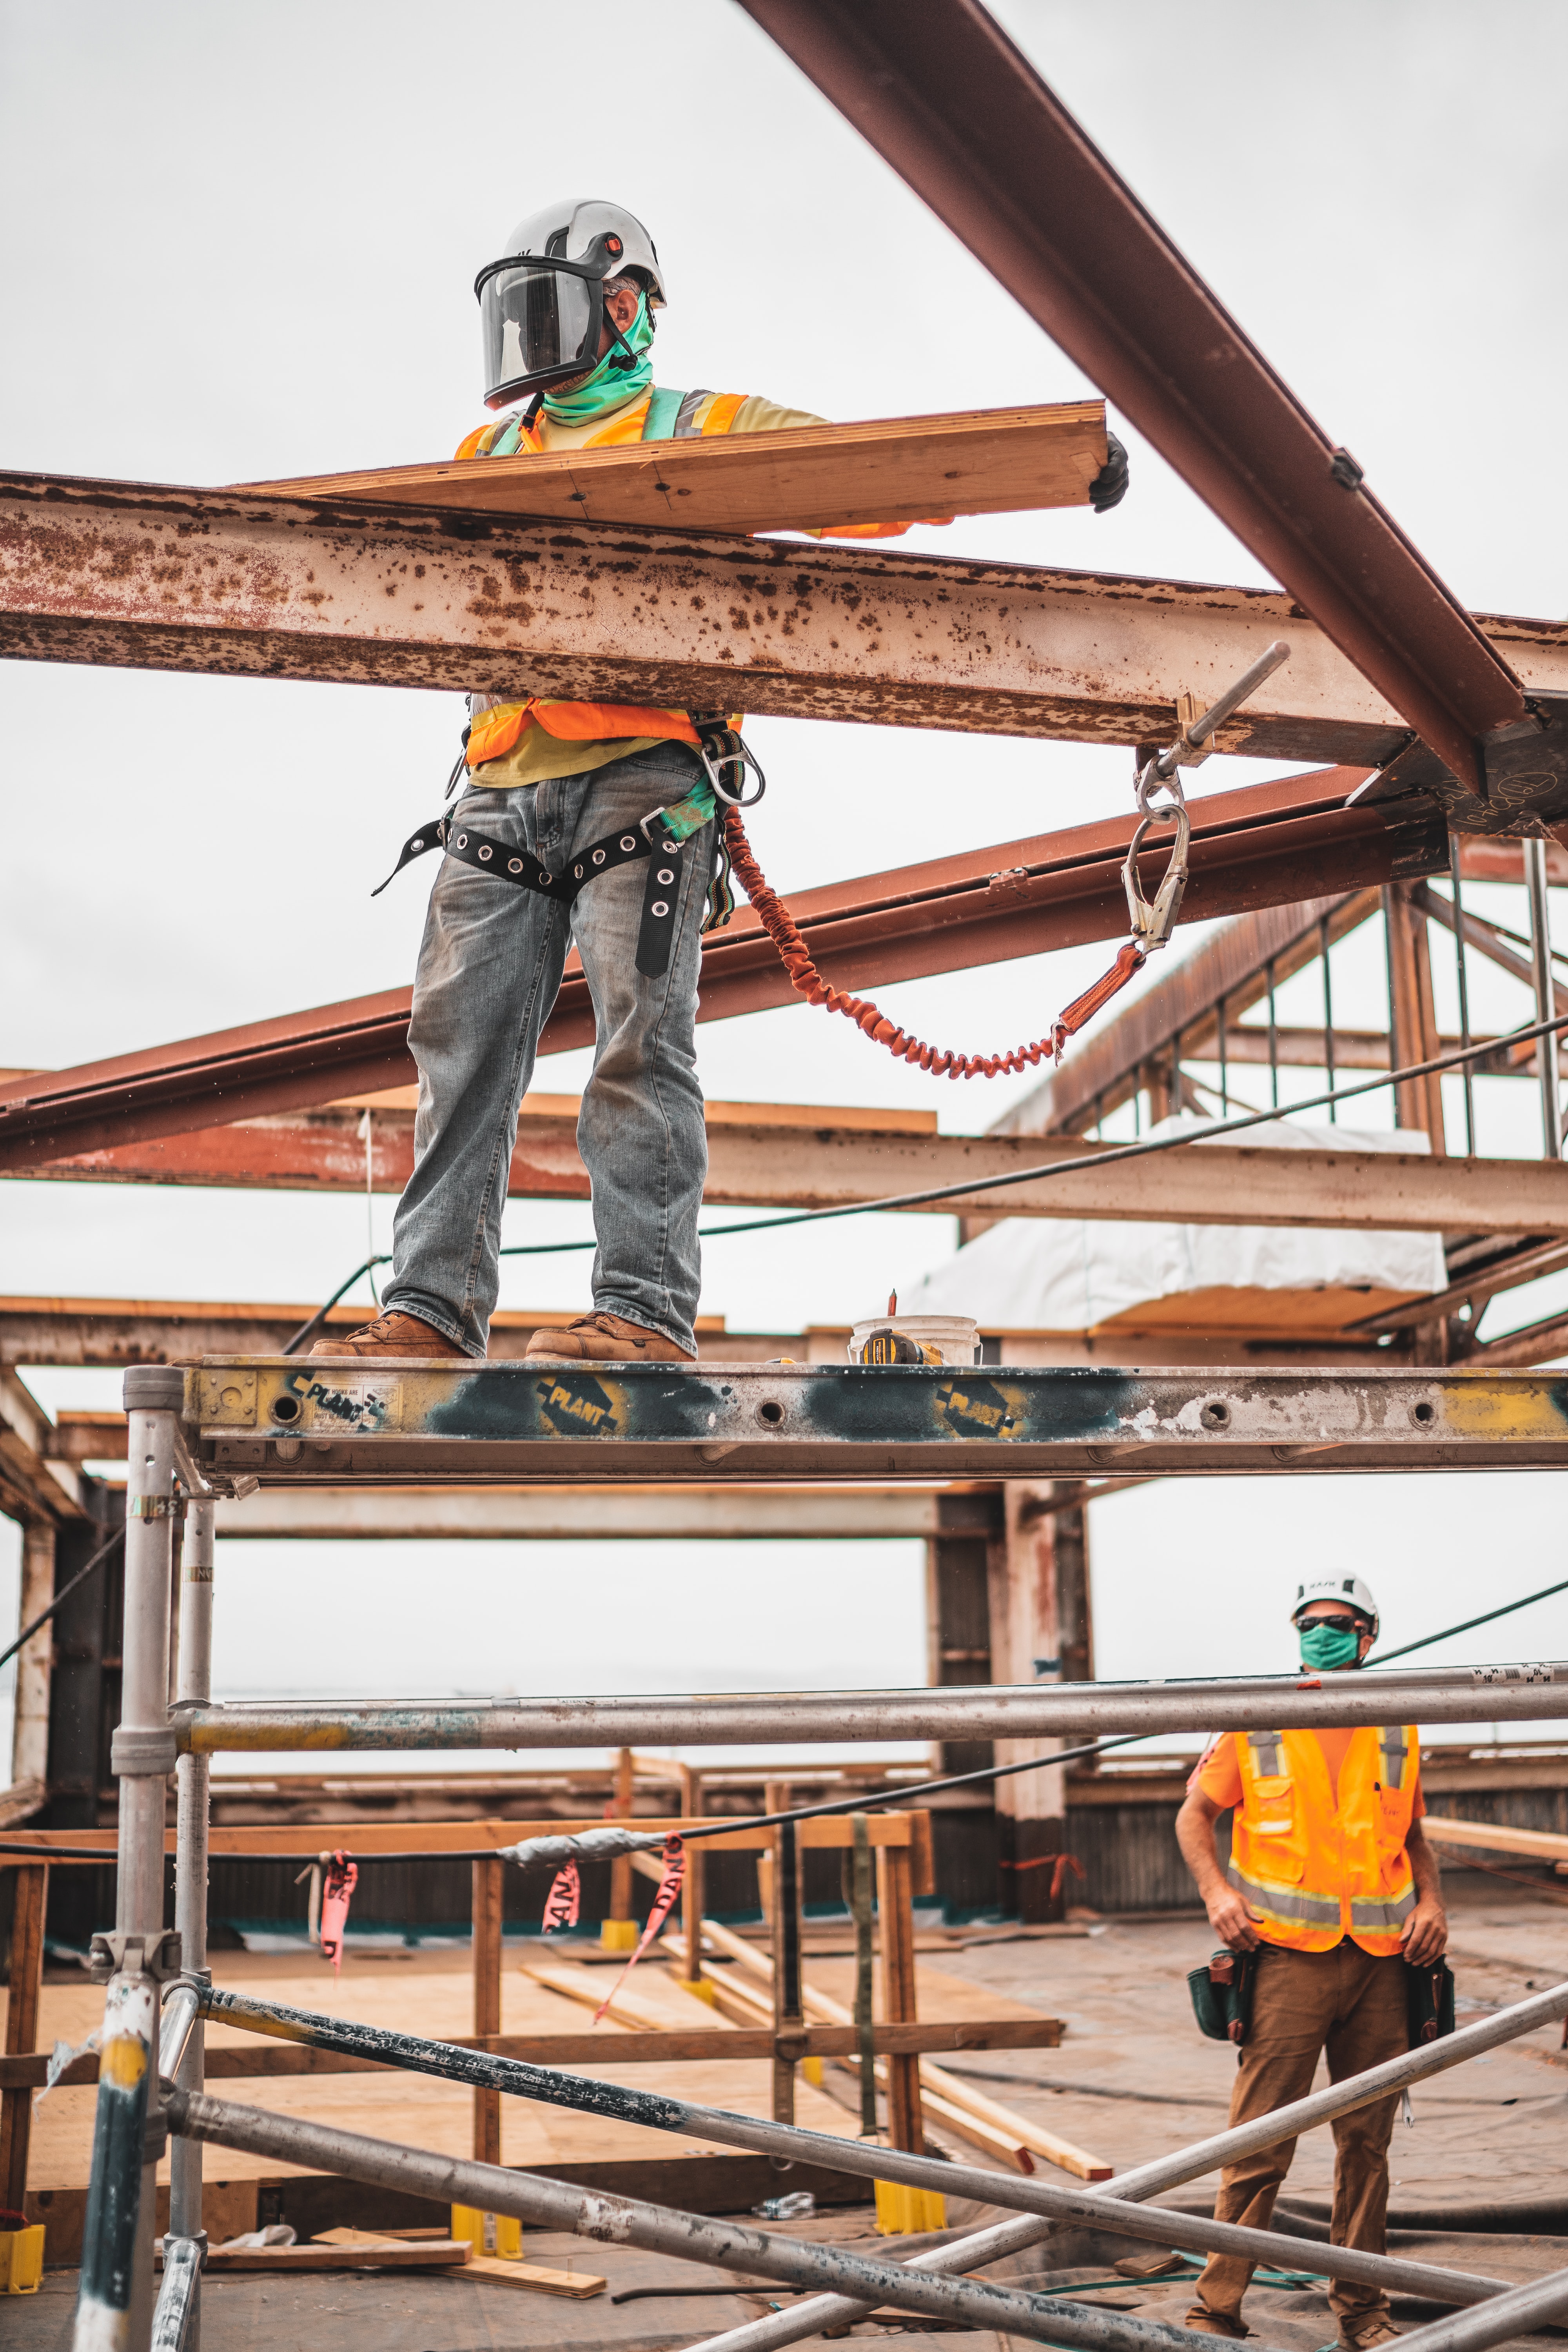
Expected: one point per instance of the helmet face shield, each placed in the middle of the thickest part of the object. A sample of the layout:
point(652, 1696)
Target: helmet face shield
point(541, 322)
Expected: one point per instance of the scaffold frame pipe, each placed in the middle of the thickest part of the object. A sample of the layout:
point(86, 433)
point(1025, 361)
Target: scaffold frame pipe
point(1020, 1711)
point(658, 2111)
point(1519, 2312)
point(664, 2230)
point(193, 1808)
point(115, 2298)
point(1151, 2180)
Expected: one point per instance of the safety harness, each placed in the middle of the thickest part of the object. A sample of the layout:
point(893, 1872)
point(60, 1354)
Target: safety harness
point(660, 837)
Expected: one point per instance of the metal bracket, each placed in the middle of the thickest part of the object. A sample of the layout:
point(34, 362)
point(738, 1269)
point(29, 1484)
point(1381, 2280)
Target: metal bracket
point(143, 1752)
point(1189, 710)
point(114, 1953)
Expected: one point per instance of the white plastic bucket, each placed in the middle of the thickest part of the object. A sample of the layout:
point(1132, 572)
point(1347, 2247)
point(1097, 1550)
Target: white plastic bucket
point(939, 1339)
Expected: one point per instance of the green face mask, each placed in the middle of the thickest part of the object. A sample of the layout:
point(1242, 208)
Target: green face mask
point(1327, 1646)
point(609, 386)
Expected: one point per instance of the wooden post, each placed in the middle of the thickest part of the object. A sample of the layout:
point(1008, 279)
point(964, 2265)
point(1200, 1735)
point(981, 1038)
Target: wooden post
point(488, 1890)
point(789, 2003)
point(22, 2026)
point(619, 1934)
point(692, 1891)
point(31, 1732)
point(1026, 1648)
point(1412, 1037)
point(895, 1907)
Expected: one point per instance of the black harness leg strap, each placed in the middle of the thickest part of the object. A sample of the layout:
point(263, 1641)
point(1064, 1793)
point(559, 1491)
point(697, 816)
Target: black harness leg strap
point(660, 903)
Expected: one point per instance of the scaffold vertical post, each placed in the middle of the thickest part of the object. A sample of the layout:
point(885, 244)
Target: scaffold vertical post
point(789, 1996)
point(114, 2308)
point(192, 1781)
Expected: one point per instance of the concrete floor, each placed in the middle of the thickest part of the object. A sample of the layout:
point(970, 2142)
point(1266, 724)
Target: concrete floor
point(1131, 2079)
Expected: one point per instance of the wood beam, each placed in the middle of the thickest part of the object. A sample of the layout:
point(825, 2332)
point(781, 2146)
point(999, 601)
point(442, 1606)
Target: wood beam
point(135, 575)
point(805, 477)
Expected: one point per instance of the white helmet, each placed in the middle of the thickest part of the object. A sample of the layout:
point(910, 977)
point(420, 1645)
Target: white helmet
point(1349, 1591)
point(541, 306)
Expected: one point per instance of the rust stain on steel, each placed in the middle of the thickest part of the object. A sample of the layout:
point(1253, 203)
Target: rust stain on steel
point(125, 573)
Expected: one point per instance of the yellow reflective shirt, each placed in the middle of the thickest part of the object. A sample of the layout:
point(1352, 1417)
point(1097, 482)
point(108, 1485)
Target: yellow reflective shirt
point(537, 756)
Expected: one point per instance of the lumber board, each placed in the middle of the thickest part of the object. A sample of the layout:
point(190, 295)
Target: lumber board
point(535, 2278)
point(808, 477)
point(365, 2253)
point(1545, 1845)
point(365, 1840)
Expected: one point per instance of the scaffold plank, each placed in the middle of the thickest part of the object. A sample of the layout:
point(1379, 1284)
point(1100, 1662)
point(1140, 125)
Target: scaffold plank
point(324, 1422)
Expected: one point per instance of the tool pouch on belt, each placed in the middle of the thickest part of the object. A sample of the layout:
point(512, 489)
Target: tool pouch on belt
point(1221, 1995)
point(1428, 2001)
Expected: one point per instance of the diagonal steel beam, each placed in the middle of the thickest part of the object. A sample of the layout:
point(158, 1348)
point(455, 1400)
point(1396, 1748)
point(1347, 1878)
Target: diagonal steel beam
point(1251, 848)
point(941, 93)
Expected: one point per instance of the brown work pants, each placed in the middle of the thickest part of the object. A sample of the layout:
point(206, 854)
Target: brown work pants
point(1351, 2004)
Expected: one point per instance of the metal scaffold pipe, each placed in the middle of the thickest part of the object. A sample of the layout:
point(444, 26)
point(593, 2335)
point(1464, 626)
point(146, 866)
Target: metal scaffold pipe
point(1146, 2180)
point(1023, 1711)
point(1114, 2206)
point(661, 2229)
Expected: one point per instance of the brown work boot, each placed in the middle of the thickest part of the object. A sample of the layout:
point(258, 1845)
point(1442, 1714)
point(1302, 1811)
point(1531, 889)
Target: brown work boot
point(389, 1336)
point(1376, 2333)
point(1205, 2321)
point(603, 1339)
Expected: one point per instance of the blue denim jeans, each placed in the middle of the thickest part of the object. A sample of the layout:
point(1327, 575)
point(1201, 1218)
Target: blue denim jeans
point(490, 966)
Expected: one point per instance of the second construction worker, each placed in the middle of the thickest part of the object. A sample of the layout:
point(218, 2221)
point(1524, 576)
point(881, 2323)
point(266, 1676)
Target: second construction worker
point(568, 315)
point(1333, 1887)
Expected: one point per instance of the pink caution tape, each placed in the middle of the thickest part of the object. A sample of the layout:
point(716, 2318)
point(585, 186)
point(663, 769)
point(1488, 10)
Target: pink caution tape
point(669, 1886)
point(337, 1894)
point(561, 1904)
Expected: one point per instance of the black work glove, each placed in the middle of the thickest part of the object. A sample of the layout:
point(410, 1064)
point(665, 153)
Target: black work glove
point(1108, 487)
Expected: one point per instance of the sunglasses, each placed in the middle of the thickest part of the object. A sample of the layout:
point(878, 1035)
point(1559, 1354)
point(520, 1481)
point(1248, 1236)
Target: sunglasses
point(1339, 1625)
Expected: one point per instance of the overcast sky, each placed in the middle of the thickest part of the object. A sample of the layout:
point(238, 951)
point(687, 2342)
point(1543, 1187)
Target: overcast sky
point(236, 246)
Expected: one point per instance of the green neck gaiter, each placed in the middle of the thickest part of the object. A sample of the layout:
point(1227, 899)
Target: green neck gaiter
point(609, 386)
point(1324, 1647)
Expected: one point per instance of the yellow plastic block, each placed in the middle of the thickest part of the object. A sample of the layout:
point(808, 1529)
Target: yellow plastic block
point(701, 1987)
point(22, 2260)
point(619, 1934)
point(499, 2235)
point(900, 2209)
point(812, 2069)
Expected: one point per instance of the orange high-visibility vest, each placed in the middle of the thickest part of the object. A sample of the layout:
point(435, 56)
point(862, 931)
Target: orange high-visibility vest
point(1314, 1871)
point(494, 733)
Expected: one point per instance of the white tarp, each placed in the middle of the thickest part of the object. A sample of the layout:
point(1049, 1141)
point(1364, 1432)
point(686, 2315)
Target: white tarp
point(1044, 1273)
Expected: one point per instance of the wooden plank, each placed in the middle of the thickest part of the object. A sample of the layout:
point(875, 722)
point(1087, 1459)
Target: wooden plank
point(809, 477)
point(534, 2278)
point(365, 1840)
point(640, 2046)
point(26, 1978)
point(366, 2253)
point(1547, 1846)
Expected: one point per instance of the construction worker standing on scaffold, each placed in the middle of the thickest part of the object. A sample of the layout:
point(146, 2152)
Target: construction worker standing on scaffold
point(1334, 1894)
point(566, 799)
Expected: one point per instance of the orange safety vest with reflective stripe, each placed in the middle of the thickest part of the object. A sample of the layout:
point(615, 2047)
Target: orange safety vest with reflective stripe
point(1316, 1871)
point(494, 733)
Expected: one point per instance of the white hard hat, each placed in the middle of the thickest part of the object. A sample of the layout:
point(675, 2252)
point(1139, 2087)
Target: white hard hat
point(1348, 1590)
point(542, 304)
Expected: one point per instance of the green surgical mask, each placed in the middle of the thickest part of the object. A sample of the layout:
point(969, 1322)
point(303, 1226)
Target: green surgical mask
point(1324, 1647)
point(609, 387)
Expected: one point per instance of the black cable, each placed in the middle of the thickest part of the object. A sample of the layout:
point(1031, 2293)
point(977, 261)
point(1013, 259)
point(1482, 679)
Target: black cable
point(1506, 1610)
point(315, 1321)
point(65, 1592)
